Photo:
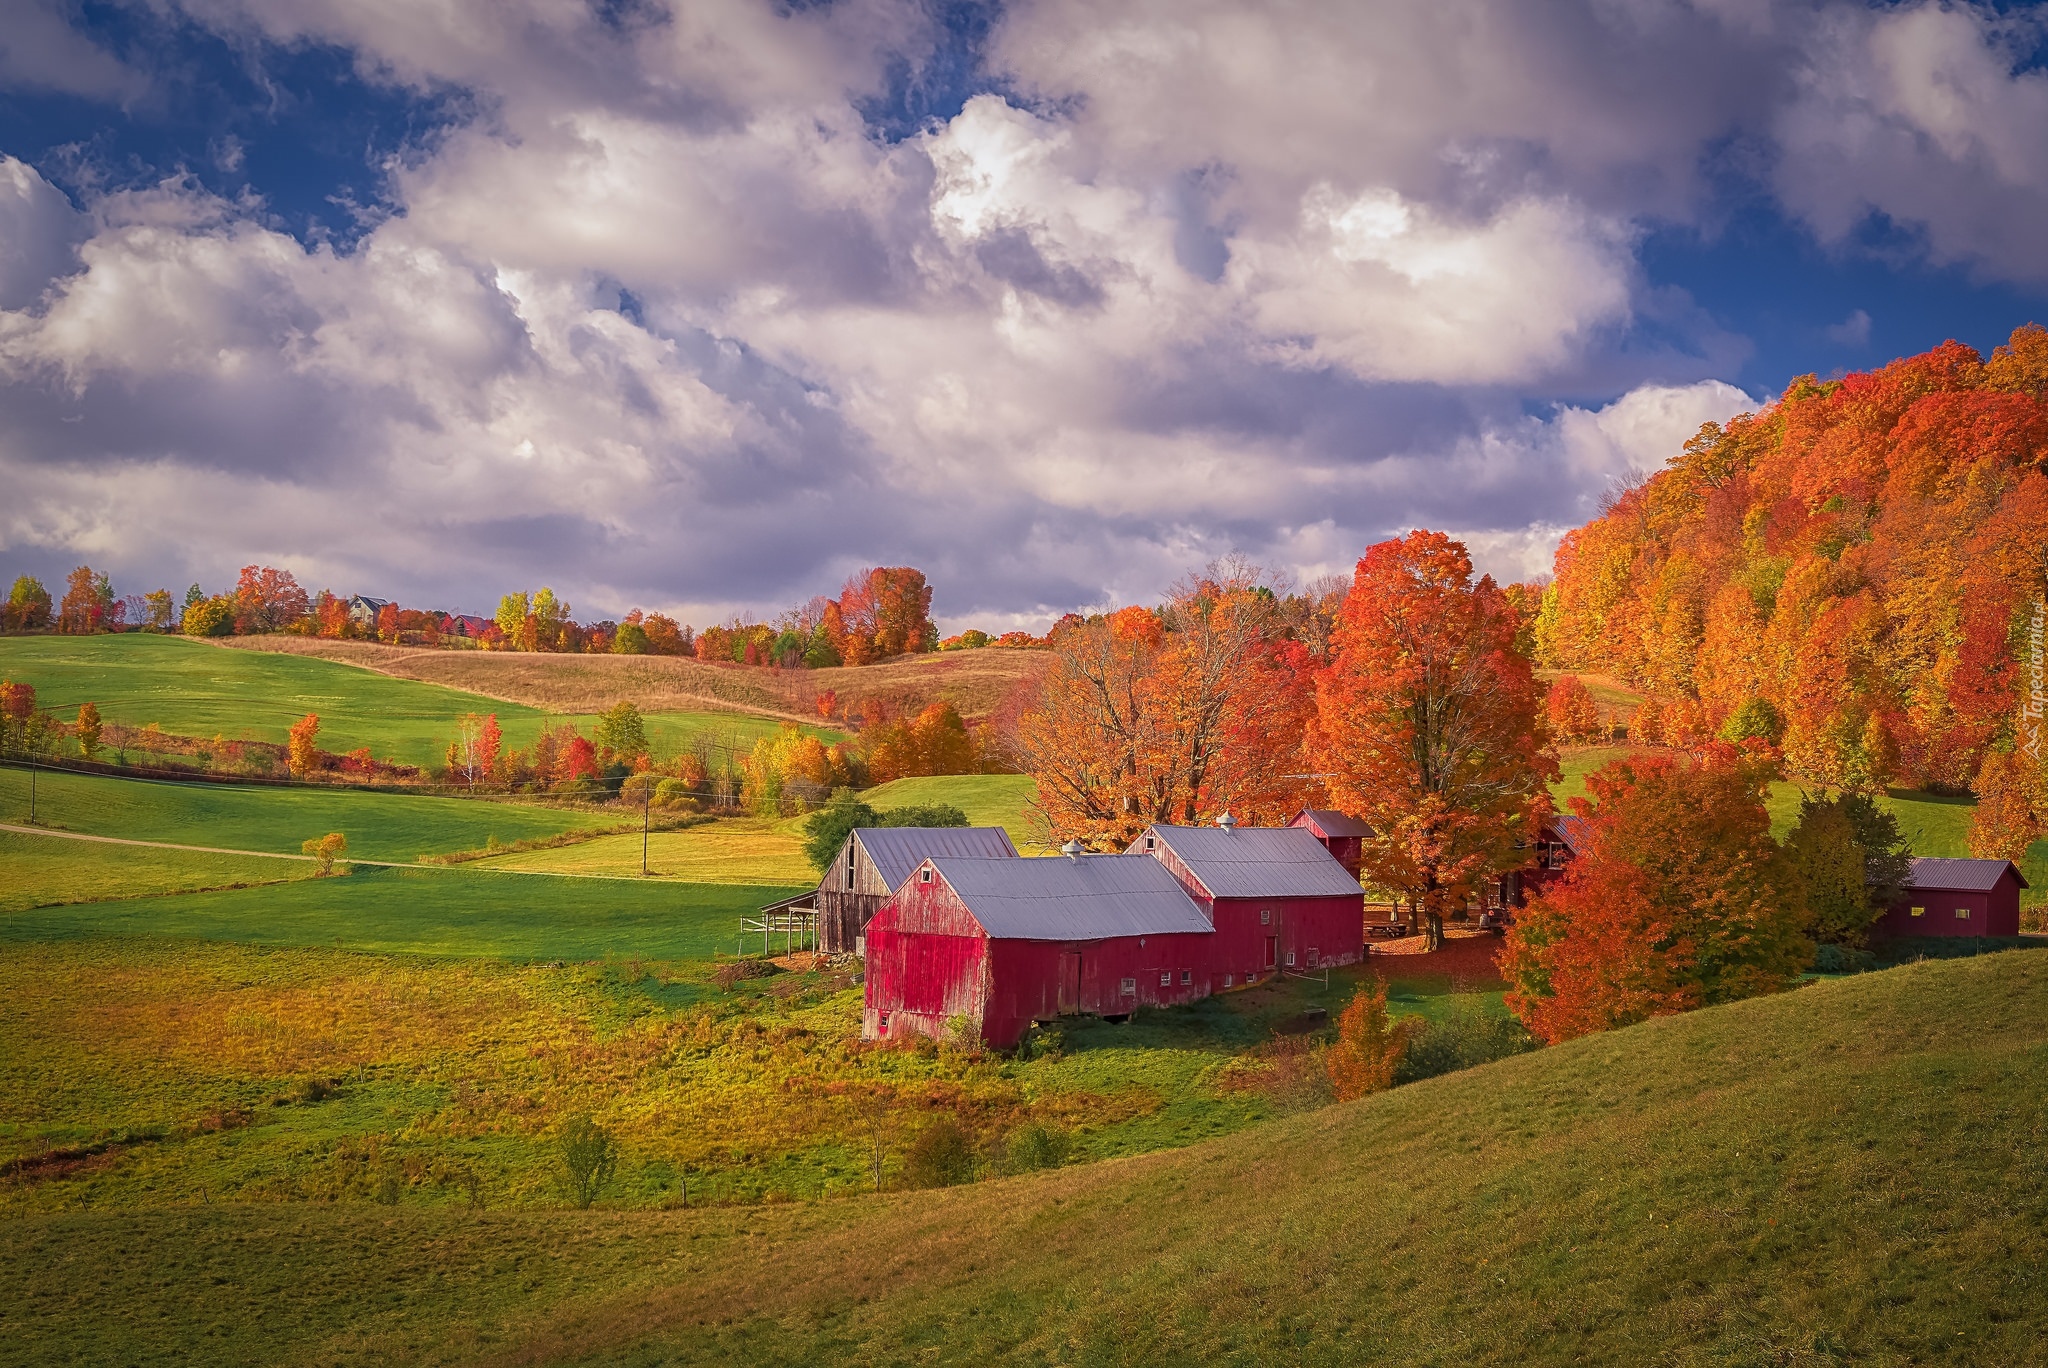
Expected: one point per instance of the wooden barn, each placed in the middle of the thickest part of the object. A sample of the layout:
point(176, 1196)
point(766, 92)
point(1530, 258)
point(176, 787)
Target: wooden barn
point(1344, 837)
point(1558, 842)
point(1277, 897)
point(1957, 898)
point(1004, 943)
point(874, 862)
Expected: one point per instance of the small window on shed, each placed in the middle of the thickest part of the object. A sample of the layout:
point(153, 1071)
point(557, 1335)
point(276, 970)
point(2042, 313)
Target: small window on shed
point(1265, 916)
point(1151, 844)
point(1919, 911)
point(924, 876)
point(1226, 980)
point(1962, 914)
point(1165, 977)
point(1128, 987)
point(1187, 976)
point(1290, 959)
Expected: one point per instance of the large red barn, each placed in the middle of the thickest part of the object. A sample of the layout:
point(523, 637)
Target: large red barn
point(1957, 898)
point(1186, 912)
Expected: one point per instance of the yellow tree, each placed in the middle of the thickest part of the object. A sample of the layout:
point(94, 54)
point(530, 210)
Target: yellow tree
point(302, 754)
point(1430, 724)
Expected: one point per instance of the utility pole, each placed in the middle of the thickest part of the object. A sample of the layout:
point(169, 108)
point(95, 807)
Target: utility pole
point(646, 817)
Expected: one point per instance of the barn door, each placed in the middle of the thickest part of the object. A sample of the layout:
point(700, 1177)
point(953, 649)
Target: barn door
point(1070, 982)
point(1272, 951)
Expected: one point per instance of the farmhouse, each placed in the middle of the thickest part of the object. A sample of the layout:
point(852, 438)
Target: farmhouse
point(1184, 913)
point(873, 863)
point(1957, 898)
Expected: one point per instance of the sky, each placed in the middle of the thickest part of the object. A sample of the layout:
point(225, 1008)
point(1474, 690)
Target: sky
point(701, 307)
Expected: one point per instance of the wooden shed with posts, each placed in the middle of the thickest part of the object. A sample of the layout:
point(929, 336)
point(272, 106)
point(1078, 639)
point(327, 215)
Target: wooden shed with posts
point(875, 861)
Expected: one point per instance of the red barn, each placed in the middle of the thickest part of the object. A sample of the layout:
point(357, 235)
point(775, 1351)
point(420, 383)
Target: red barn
point(1006, 942)
point(1558, 842)
point(1344, 837)
point(1277, 896)
point(1957, 898)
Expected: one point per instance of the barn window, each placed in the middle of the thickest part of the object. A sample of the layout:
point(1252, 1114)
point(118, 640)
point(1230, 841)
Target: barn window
point(1151, 844)
point(924, 876)
point(1265, 916)
point(1962, 914)
point(1919, 911)
point(1226, 980)
point(1187, 976)
point(1290, 959)
point(1165, 977)
point(1311, 957)
point(1128, 987)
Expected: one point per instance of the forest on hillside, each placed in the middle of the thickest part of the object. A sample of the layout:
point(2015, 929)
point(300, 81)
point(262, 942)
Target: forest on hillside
point(1855, 573)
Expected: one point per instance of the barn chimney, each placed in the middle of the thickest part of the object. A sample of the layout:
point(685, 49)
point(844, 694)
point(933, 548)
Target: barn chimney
point(1227, 822)
point(1072, 850)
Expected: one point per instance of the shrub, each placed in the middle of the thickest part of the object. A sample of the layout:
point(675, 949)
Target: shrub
point(323, 849)
point(1368, 1046)
point(1842, 959)
point(940, 1156)
point(1469, 1033)
point(963, 1035)
point(589, 1159)
point(1039, 1147)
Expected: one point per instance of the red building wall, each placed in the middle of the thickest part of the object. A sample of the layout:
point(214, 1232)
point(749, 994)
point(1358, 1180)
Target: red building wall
point(1334, 928)
point(1996, 913)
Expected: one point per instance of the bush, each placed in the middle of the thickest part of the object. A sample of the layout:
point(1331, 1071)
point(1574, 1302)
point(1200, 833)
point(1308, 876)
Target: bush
point(738, 971)
point(1469, 1033)
point(589, 1159)
point(963, 1035)
point(940, 1156)
point(1842, 959)
point(1039, 1147)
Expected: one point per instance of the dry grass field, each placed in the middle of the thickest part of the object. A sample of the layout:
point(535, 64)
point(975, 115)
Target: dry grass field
point(978, 683)
point(739, 850)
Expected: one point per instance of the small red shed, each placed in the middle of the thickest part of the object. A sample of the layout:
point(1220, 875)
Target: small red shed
point(1344, 837)
point(1558, 842)
point(1957, 898)
point(1006, 942)
point(1277, 896)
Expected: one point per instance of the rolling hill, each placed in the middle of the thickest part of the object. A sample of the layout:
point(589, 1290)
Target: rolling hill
point(1851, 1172)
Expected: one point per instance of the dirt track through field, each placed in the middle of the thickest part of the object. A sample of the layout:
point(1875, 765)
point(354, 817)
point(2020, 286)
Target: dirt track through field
point(279, 855)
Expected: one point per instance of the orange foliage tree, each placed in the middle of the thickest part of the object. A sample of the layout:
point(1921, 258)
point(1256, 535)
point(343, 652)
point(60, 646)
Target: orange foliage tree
point(1678, 898)
point(2008, 816)
point(1570, 708)
point(934, 742)
point(268, 600)
point(1862, 557)
point(1368, 1047)
point(302, 754)
point(1430, 725)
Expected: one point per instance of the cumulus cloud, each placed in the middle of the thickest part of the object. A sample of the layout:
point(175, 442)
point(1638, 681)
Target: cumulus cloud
point(666, 322)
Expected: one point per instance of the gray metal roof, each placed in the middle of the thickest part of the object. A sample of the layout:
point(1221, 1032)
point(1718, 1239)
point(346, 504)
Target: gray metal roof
point(1334, 824)
point(1961, 876)
point(1087, 897)
point(1257, 862)
point(897, 851)
point(1563, 826)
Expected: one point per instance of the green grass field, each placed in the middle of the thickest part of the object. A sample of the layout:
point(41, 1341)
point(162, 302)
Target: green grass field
point(456, 911)
point(379, 826)
point(740, 850)
point(987, 799)
point(194, 689)
point(1851, 1172)
point(37, 871)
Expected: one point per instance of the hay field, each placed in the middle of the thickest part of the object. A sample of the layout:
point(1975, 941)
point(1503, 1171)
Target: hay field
point(978, 683)
point(737, 850)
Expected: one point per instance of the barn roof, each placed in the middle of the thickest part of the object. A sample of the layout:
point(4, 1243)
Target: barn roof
point(1961, 876)
point(897, 851)
point(1562, 826)
point(1332, 824)
point(1257, 862)
point(1086, 897)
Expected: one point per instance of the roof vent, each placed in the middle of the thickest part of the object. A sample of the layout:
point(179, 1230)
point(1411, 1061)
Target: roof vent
point(1227, 822)
point(1071, 849)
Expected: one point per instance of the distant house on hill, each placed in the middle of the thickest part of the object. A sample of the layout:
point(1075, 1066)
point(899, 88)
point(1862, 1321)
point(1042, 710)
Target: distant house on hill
point(363, 610)
point(1185, 912)
point(464, 625)
point(1957, 898)
point(873, 863)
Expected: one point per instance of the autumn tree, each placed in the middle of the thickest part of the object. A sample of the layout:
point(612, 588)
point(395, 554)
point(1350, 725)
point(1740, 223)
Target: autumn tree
point(1572, 713)
point(2007, 818)
point(1430, 725)
point(1852, 864)
point(1678, 898)
point(325, 850)
point(387, 623)
point(934, 742)
point(665, 637)
point(88, 602)
point(302, 754)
point(28, 605)
point(1368, 1047)
point(159, 611)
point(88, 730)
point(622, 732)
point(268, 599)
point(210, 617)
point(1646, 725)
point(473, 754)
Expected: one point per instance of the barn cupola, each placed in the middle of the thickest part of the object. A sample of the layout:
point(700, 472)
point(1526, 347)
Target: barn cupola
point(1072, 850)
point(1227, 822)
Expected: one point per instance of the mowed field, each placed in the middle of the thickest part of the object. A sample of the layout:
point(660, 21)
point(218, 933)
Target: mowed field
point(199, 688)
point(1750, 1184)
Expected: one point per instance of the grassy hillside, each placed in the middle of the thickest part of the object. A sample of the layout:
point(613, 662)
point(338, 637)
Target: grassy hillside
point(987, 799)
point(1848, 1173)
point(978, 683)
point(742, 850)
point(196, 688)
point(379, 826)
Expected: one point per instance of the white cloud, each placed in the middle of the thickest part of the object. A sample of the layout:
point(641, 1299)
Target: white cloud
point(38, 228)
